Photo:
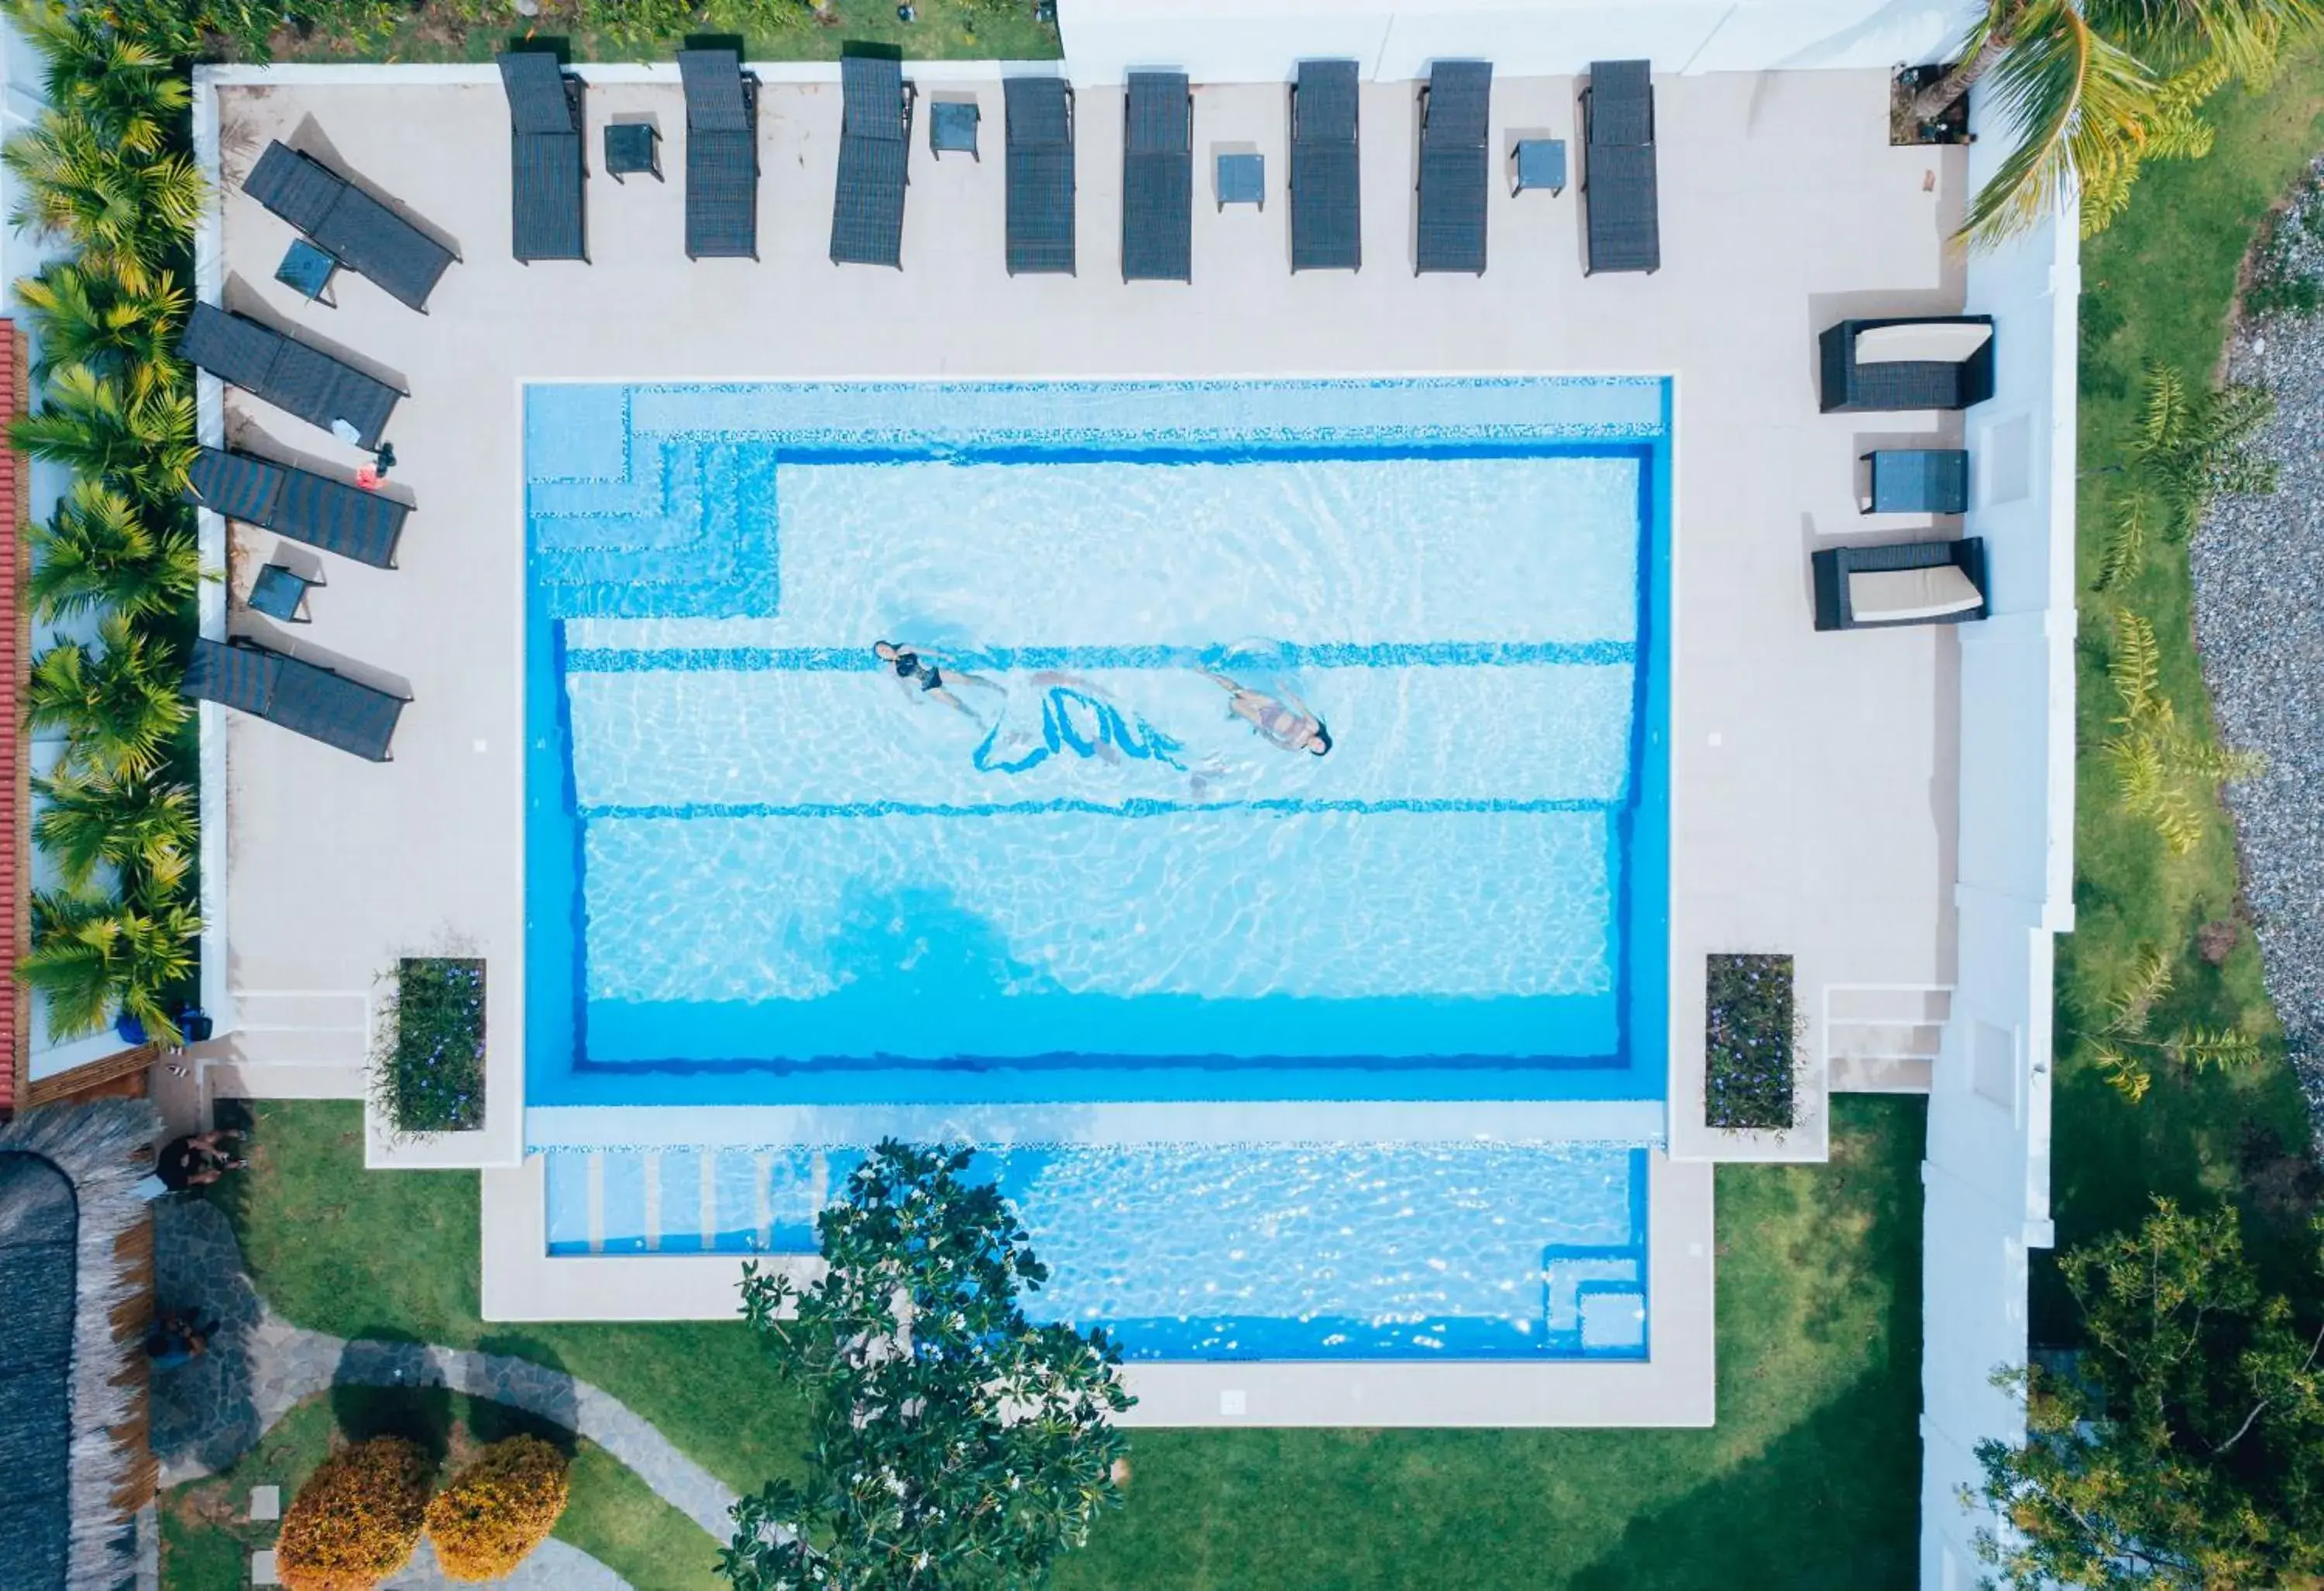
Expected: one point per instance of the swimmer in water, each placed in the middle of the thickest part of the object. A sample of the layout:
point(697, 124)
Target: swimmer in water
point(1292, 727)
point(912, 668)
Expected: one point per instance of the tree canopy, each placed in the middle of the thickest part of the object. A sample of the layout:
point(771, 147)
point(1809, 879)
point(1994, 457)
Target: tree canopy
point(953, 1443)
point(2184, 1447)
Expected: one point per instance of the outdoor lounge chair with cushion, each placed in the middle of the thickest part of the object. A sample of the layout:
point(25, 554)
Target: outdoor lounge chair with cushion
point(1920, 361)
point(1916, 583)
point(323, 391)
point(298, 504)
point(1624, 228)
point(1455, 105)
point(722, 155)
point(347, 224)
point(875, 142)
point(1039, 112)
point(548, 181)
point(304, 697)
point(1157, 179)
point(1326, 208)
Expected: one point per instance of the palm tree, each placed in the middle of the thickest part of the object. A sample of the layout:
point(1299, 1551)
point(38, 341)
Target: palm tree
point(125, 325)
point(143, 828)
point(100, 551)
point(93, 956)
point(117, 706)
point(124, 208)
point(2091, 88)
point(117, 80)
point(90, 423)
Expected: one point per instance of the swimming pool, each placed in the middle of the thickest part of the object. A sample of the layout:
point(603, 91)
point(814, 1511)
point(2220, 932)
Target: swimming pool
point(760, 871)
point(1449, 1251)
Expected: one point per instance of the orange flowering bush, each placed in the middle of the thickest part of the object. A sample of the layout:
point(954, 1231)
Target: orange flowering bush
point(498, 1509)
point(356, 1520)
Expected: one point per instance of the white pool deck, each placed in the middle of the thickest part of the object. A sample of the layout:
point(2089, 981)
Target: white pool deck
point(1813, 775)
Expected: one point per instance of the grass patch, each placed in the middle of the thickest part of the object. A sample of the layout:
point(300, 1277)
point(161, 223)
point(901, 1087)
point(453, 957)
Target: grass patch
point(613, 1515)
point(942, 30)
point(2160, 284)
point(394, 1255)
point(1811, 1476)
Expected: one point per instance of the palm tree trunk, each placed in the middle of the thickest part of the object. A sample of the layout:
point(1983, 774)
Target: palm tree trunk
point(1932, 101)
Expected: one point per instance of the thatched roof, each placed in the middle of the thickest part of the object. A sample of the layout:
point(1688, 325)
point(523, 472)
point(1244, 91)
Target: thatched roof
point(66, 1379)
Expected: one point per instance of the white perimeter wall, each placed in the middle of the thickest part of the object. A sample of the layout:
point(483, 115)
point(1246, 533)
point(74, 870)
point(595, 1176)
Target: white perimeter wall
point(1259, 41)
point(1987, 1178)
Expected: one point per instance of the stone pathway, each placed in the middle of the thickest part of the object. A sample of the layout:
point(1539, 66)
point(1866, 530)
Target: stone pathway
point(210, 1411)
point(553, 1566)
point(2259, 623)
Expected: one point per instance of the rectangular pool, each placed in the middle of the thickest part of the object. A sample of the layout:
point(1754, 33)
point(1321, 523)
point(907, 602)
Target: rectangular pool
point(762, 870)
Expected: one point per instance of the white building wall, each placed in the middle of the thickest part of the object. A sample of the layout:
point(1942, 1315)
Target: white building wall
point(1222, 41)
point(1987, 1178)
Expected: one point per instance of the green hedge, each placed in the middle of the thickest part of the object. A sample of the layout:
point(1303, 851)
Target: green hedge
point(1750, 1040)
point(429, 1075)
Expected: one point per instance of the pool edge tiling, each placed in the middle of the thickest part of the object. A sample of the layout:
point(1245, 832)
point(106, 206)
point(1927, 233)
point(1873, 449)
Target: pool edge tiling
point(1036, 423)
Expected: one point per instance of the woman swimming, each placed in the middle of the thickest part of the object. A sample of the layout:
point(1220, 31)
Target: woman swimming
point(912, 668)
point(1293, 728)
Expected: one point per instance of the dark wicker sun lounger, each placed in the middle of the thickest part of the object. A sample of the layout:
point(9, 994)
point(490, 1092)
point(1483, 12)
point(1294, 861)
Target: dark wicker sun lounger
point(298, 504)
point(1618, 168)
point(549, 181)
point(1040, 172)
point(304, 697)
point(722, 155)
point(1454, 107)
point(1157, 179)
point(875, 141)
point(347, 224)
point(288, 373)
point(1834, 565)
point(1850, 387)
point(1327, 215)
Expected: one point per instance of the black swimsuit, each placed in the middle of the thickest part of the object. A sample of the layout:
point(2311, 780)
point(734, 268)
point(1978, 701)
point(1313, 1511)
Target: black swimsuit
point(910, 667)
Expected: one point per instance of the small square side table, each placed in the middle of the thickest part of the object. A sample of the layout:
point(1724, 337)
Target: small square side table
point(307, 271)
point(278, 593)
point(632, 147)
point(1916, 480)
point(1539, 162)
point(1243, 180)
point(951, 128)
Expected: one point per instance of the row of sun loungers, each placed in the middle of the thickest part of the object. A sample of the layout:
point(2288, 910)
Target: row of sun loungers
point(291, 374)
point(298, 504)
point(867, 215)
point(308, 698)
point(349, 224)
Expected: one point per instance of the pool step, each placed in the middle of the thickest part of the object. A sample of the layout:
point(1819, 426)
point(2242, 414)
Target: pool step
point(686, 1200)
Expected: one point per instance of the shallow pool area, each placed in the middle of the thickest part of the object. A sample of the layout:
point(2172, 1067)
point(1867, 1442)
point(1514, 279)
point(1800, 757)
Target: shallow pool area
point(1461, 1251)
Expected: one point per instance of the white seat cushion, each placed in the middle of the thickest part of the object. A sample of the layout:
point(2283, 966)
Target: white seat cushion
point(1891, 596)
point(1921, 342)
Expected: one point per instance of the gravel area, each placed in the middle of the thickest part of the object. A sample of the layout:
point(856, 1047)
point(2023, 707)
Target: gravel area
point(2259, 619)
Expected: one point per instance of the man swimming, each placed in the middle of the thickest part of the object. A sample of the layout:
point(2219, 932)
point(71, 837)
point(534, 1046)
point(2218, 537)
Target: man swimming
point(911, 667)
point(1293, 728)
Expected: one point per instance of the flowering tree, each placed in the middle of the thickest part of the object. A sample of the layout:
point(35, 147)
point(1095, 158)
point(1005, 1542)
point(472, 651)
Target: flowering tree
point(956, 1445)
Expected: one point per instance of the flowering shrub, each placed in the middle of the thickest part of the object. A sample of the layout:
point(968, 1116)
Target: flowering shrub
point(1749, 1041)
point(356, 1520)
point(428, 1075)
point(498, 1509)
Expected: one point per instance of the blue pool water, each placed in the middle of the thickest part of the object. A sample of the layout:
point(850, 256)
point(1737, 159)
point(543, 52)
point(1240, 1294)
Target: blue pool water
point(1224, 1252)
point(761, 871)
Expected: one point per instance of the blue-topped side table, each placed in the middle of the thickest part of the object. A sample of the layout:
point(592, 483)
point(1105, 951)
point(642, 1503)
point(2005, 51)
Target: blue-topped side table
point(632, 147)
point(278, 593)
point(1538, 162)
point(1916, 480)
point(307, 271)
point(1243, 180)
point(951, 128)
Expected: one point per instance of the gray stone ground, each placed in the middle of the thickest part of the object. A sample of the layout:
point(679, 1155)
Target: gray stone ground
point(210, 1411)
point(2258, 565)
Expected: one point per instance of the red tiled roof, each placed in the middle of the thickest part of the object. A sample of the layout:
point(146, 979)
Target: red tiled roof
point(14, 874)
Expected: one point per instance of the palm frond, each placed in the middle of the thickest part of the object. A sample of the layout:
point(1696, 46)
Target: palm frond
point(117, 704)
point(100, 551)
point(143, 828)
point(2136, 669)
point(2149, 981)
point(2126, 1074)
point(2125, 548)
point(2216, 1049)
point(2071, 97)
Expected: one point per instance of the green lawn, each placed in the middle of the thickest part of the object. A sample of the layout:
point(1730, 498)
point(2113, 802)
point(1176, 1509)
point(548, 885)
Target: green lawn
point(613, 1515)
point(941, 30)
point(1810, 1478)
point(2159, 285)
